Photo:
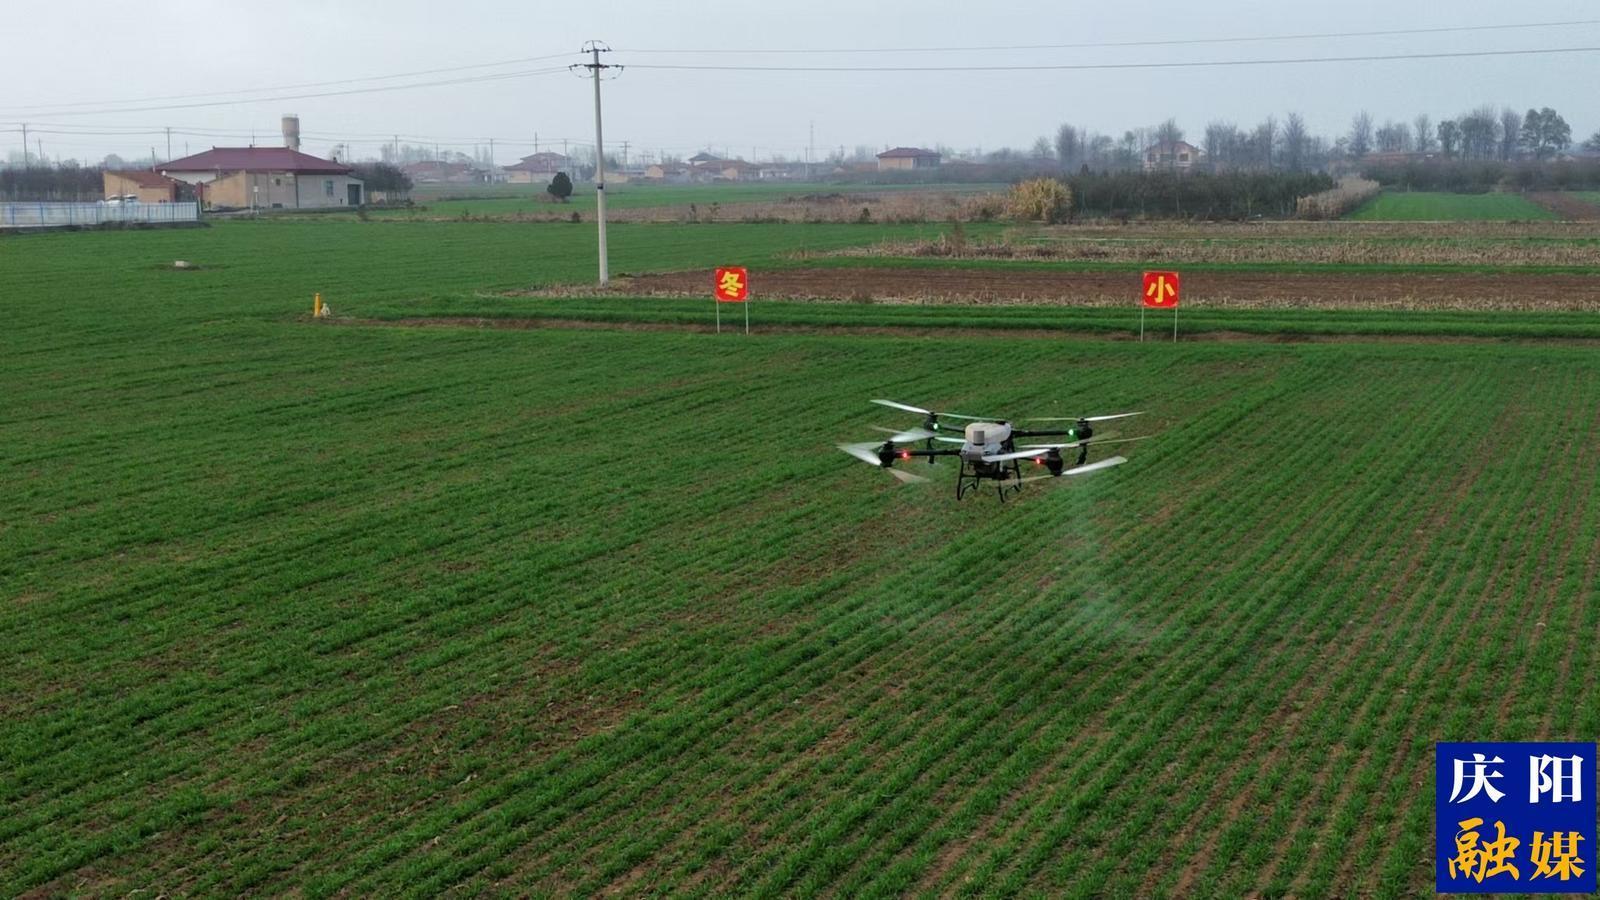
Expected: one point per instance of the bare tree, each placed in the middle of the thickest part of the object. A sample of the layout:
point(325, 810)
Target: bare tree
point(1041, 148)
point(1223, 143)
point(1295, 139)
point(1262, 141)
point(1069, 146)
point(1423, 126)
point(1361, 134)
point(1480, 133)
point(1168, 134)
point(1510, 133)
point(1449, 138)
point(1100, 151)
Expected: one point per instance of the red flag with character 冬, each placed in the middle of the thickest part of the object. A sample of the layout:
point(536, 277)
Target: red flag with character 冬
point(731, 284)
point(1161, 290)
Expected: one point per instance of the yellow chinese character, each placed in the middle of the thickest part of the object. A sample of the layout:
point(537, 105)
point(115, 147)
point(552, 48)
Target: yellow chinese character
point(1487, 861)
point(730, 283)
point(1160, 291)
point(1563, 849)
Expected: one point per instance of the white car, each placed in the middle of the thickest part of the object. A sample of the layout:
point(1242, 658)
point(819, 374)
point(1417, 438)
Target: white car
point(123, 200)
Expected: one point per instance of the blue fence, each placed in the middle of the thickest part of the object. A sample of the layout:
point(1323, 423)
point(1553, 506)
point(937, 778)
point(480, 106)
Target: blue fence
point(54, 215)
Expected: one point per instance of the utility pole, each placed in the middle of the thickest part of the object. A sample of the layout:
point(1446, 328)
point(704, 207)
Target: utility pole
point(491, 154)
point(169, 142)
point(24, 145)
point(595, 48)
point(624, 154)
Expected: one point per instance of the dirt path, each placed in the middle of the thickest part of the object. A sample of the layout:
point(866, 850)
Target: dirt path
point(1568, 206)
point(1219, 290)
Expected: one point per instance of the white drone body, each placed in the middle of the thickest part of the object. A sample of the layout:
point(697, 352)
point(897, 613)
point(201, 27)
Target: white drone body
point(991, 449)
point(985, 439)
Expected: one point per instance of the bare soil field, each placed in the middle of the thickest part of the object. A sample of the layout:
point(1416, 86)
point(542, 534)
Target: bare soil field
point(1220, 290)
point(1568, 206)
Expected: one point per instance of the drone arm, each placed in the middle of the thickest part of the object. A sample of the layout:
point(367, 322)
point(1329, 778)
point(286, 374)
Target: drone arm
point(909, 453)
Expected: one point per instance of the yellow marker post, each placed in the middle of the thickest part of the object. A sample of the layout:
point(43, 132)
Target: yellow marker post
point(316, 306)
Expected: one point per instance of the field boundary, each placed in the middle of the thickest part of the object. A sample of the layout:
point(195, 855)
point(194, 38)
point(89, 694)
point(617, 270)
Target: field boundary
point(555, 323)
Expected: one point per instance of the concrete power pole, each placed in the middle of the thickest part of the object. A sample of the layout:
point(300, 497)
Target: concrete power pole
point(24, 145)
point(169, 143)
point(595, 48)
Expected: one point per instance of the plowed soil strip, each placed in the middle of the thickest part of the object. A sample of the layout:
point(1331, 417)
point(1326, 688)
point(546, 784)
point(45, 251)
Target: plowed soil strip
point(534, 322)
point(1218, 290)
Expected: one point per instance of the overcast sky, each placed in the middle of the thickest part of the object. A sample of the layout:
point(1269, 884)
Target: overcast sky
point(107, 57)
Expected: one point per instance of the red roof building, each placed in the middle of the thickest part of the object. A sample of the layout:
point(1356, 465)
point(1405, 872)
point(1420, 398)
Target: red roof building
point(907, 158)
point(267, 178)
point(141, 184)
point(255, 159)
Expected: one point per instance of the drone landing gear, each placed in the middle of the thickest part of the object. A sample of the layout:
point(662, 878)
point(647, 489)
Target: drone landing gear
point(1007, 479)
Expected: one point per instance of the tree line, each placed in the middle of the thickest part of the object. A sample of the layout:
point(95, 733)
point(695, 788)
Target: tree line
point(66, 183)
point(1289, 145)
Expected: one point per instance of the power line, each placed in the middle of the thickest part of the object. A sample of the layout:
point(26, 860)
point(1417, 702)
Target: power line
point(293, 87)
point(499, 76)
point(1061, 67)
point(1157, 43)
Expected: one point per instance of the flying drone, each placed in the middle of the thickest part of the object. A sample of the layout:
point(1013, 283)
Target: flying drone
point(991, 448)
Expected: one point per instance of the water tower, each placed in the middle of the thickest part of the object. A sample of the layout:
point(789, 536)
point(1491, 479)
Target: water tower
point(291, 132)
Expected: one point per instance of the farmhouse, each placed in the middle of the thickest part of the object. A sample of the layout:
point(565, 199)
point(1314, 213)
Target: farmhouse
point(904, 158)
point(148, 187)
point(667, 172)
point(1180, 156)
point(734, 170)
point(266, 178)
point(538, 168)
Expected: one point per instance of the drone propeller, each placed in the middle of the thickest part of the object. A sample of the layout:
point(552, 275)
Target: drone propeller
point(867, 453)
point(934, 416)
point(911, 409)
point(1085, 418)
point(906, 477)
point(905, 437)
point(1095, 441)
point(1095, 467)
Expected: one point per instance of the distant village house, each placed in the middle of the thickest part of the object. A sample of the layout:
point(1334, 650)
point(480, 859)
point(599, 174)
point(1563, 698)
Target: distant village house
point(907, 158)
point(144, 186)
point(1180, 156)
point(438, 172)
point(539, 168)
